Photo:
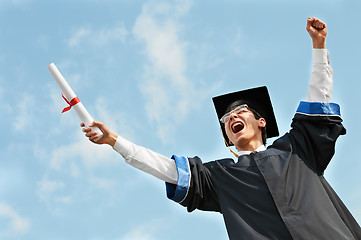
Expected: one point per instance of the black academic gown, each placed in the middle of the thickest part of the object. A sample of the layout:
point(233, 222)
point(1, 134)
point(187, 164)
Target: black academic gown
point(279, 193)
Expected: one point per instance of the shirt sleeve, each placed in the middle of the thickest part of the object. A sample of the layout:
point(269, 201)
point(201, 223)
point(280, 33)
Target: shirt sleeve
point(321, 82)
point(147, 161)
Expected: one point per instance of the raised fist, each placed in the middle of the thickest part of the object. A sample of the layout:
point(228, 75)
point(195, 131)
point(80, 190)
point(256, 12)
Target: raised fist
point(317, 31)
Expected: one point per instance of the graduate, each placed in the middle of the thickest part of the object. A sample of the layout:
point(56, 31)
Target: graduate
point(277, 192)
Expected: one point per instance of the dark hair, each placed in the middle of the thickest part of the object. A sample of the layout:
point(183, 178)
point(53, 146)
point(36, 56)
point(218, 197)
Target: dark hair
point(264, 132)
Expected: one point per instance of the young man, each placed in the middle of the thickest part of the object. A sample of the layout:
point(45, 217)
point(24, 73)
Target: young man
point(273, 193)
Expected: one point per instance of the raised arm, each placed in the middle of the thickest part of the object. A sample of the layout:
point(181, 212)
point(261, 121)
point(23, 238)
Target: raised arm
point(321, 82)
point(317, 123)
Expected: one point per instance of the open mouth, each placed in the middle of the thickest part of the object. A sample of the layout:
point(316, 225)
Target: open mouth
point(237, 127)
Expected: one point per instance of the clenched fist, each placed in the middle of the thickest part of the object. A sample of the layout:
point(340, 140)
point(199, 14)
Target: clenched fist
point(317, 31)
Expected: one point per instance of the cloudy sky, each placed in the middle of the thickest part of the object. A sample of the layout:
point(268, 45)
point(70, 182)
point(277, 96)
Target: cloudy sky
point(149, 69)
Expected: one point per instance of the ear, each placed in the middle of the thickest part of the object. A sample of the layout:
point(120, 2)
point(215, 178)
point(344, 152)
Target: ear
point(261, 123)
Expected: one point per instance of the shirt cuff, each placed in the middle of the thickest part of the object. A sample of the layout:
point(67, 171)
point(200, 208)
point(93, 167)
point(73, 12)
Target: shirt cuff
point(320, 56)
point(318, 109)
point(122, 146)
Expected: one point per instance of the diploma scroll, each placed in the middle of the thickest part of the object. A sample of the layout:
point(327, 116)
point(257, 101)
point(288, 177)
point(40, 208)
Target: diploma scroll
point(70, 95)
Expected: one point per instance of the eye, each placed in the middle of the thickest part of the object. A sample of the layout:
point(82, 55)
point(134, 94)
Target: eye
point(239, 110)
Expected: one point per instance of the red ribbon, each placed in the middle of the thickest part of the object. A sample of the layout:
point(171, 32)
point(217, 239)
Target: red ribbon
point(71, 103)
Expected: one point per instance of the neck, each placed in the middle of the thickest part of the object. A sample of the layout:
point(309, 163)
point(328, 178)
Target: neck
point(260, 149)
point(252, 146)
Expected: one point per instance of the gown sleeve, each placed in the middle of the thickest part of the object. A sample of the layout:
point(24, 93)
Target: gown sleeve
point(317, 123)
point(196, 187)
point(315, 129)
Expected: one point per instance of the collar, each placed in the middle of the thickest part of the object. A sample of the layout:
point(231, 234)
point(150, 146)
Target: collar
point(259, 149)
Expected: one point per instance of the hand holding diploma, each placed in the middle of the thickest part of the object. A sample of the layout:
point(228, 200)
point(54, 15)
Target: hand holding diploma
point(108, 137)
point(73, 100)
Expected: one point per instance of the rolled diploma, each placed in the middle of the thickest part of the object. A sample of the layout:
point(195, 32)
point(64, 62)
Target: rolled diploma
point(69, 94)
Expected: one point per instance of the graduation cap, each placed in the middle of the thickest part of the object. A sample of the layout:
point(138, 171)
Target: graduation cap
point(257, 99)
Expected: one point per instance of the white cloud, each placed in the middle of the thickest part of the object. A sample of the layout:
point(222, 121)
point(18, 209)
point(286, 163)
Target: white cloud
point(1, 84)
point(115, 121)
point(64, 199)
point(146, 231)
point(74, 170)
point(90, 155)
point(23, 110)
point(170, 95)
point(97, 37)
point(43, 41)
point(46, 188)
point(17, 3)
point(49, 192)
point(102, 183)
point(17, 224)
point(78, 35)
point(20, 2)
point(238, 42)
point(174, 9)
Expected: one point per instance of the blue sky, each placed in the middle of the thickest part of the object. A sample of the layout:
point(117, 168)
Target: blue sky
point(149, 69)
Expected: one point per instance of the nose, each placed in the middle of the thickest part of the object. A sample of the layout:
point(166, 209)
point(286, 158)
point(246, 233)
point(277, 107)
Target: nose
point(233, 115)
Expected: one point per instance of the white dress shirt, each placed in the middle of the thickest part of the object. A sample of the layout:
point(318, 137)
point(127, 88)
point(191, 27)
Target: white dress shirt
point(164, 168)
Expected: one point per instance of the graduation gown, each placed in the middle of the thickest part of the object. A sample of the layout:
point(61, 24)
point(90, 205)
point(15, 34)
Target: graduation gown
point(279, 193)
